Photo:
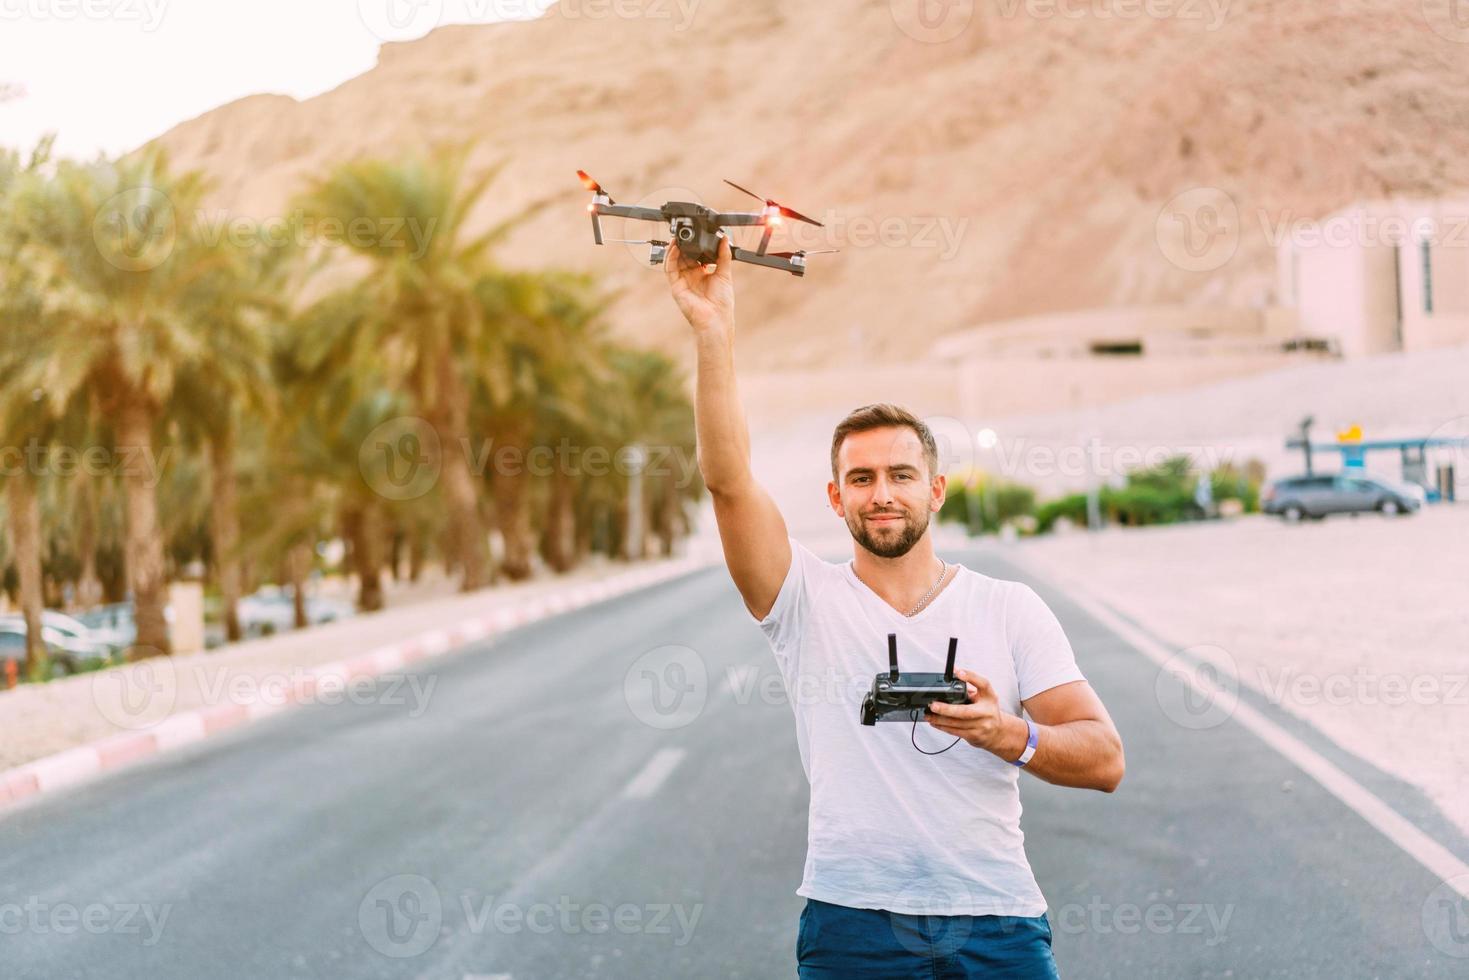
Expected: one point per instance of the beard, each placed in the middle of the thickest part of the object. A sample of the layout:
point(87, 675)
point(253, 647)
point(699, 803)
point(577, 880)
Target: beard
point(889, 540)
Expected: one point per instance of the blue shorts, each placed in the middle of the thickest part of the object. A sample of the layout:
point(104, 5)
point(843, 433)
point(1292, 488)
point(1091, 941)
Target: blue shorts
point(839, 942)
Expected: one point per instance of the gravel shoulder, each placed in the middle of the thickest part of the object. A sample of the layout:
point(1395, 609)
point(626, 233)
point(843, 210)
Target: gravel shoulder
point(1359, 626)
point(39, 720)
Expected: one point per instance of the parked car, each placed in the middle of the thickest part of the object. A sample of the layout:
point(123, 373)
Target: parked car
point(114, 623)
point(271, 609)
point(1296, 497)
point(68, 654)
point(105, 642)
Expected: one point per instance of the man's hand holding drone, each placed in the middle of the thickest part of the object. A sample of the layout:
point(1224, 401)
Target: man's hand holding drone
point(704, 293)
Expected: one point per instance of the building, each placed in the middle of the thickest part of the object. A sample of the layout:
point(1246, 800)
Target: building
point(1380, 276)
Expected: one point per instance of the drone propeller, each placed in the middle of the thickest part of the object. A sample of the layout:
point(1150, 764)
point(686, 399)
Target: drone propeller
point(593, 186)
point(779, 208)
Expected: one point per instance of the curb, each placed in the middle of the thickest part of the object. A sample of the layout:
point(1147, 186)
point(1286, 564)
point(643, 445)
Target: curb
point(75, 765)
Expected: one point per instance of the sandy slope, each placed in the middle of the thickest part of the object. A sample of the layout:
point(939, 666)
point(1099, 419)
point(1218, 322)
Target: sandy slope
point(1018, 168)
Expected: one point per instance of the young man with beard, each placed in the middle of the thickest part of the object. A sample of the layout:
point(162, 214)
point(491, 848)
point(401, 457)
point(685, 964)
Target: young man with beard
point(915, 861)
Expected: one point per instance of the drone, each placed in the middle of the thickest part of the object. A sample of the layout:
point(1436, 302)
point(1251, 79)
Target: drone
point(698, 229)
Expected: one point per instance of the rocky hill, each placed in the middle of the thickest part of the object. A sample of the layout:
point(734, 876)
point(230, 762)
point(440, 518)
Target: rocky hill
point(1020, 166)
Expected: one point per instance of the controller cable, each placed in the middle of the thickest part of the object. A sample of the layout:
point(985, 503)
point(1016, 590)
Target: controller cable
point(914, 737)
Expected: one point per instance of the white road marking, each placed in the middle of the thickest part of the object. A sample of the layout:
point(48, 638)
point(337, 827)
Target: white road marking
point(1439, 860)
point(652, 775)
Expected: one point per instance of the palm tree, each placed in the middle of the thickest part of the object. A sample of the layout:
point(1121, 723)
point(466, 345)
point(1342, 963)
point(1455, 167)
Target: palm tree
point(422, 322)
point(648, 406)
point(333, 400)
point(116, 262)
point(555, 345)
point(23, 419)
point(237, 306)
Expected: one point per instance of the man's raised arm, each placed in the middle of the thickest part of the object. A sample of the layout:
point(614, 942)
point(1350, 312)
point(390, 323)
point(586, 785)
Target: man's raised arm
point(753, 533)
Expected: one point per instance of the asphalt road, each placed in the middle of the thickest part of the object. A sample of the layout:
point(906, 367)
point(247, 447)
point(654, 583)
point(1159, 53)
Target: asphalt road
point(575, 800)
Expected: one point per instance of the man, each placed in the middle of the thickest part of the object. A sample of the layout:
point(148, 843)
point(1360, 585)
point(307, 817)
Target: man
point(915, 861)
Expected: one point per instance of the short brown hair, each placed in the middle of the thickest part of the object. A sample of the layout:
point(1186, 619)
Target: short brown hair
point(880, 416)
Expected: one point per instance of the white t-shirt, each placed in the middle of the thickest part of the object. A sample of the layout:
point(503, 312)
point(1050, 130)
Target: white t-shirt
point(891, 828)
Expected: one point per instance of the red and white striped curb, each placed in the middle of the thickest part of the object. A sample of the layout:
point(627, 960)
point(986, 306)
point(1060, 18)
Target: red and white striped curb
point(86, 761)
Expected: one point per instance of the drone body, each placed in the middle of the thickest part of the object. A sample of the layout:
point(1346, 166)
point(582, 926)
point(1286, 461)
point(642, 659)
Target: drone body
point(698, 229)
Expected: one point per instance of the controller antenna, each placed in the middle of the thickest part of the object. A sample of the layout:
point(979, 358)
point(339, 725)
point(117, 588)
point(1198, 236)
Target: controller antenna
point(949, 667)
point(893, 657)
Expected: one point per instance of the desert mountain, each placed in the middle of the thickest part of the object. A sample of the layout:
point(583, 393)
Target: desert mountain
point(1019, 167)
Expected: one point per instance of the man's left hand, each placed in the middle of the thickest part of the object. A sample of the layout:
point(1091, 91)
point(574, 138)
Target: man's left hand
point(980, 722)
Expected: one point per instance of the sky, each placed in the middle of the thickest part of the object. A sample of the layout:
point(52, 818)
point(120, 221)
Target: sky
point(109, 75)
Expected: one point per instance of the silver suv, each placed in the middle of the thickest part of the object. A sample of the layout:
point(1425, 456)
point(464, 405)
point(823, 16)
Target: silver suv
point(1316, 496)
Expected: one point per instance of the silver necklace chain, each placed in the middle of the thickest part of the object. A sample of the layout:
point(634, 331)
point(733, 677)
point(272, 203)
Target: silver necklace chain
point(924, 601)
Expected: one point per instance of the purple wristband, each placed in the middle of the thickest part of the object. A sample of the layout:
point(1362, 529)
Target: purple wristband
point(1030, 743)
